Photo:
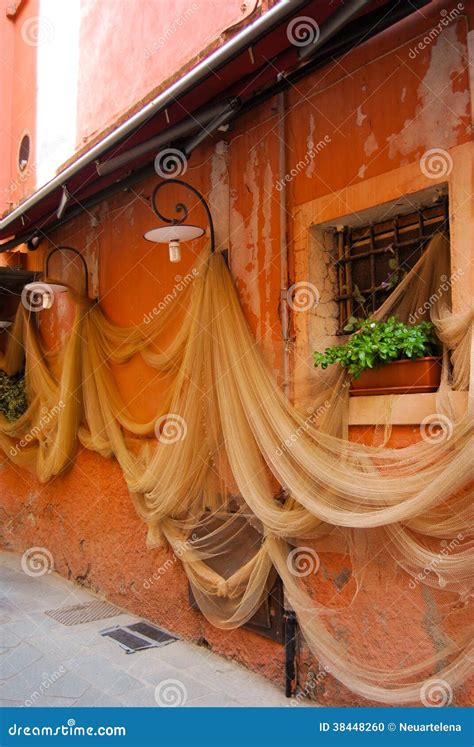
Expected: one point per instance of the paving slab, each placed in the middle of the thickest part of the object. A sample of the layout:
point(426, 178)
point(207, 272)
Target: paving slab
point(17, 659)
point(45, 663)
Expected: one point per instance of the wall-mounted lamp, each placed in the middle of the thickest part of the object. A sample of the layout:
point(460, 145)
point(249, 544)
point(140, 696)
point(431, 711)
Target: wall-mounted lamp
point(40, 294)
point(176, 229)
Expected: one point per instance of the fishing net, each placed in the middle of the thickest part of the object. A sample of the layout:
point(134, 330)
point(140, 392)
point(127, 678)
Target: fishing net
point(227, 444)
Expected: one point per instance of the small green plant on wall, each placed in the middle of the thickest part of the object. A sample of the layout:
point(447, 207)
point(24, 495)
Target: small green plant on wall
point(13, 402)
point(377, 343)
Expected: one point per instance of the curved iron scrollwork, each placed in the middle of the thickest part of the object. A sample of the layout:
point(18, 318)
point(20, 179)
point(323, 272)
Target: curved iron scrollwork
point(75, 251)
point(181, 209)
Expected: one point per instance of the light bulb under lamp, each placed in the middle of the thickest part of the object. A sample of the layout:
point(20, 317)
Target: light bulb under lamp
point(173, 235)
point(175, 250)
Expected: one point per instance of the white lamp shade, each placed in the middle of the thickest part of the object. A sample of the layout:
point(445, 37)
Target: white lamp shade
point(5, 325)
point(165, 234)
point(45, 287)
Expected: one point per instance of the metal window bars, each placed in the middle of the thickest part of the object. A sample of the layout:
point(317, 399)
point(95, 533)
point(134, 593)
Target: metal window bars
point(366, 275)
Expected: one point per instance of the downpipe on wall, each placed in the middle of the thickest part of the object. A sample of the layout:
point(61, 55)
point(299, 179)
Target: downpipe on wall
point(284, 308)
point(291, 625)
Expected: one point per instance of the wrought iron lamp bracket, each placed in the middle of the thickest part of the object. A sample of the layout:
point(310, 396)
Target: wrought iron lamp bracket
point(181, 209)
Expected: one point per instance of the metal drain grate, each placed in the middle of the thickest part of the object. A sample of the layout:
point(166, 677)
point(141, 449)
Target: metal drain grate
point(138, 636)
point(151, 631)
point(128, 640)
point(82, 613)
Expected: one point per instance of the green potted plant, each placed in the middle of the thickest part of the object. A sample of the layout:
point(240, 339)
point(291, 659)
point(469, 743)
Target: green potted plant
point(13, 402)
point(387, 357)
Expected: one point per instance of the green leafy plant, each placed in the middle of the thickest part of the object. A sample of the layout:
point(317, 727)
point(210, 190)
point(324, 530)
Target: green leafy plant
point(376, 343)
point(13, 402)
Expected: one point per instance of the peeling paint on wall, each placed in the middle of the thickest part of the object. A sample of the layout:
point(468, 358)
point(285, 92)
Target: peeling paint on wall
point(432, 620)
point(219, 194)
point(245, 237)
point(251, 183)
point(268, 253)
point(370, 145)
point(441, 108)
point(470, 50)
point(360, 116)
point(91, 255)
point(244, 267)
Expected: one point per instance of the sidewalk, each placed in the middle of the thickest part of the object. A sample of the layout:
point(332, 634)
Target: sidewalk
point(45, 663)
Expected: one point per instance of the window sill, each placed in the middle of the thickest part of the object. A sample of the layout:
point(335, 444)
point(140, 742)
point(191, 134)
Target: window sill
point(399, 409)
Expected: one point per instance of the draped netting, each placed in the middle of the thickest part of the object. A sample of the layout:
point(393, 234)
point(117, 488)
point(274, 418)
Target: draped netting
point(231, 451)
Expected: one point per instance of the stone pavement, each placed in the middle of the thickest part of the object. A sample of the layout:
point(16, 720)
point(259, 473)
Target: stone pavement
point(45, 663)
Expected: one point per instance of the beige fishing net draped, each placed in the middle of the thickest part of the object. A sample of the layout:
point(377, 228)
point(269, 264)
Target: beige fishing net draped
point(231, 450)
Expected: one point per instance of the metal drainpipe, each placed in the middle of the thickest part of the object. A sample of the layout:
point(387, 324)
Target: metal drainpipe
point(332, 25)
point(291, 628)
point(186, 128)
point(284, 309)
point(291, 624)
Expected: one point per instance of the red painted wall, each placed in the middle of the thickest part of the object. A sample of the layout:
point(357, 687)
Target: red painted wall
point(17, 100)
point(128, 51)
point(143, 43)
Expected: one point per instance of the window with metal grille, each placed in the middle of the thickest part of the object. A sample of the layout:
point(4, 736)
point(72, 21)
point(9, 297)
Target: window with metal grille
point(373, 259)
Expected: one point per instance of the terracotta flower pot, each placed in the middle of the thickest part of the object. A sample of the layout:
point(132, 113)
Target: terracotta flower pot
point(399, 377)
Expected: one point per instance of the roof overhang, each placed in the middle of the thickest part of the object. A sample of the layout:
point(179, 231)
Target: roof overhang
point(13, 280)
point(254, 65)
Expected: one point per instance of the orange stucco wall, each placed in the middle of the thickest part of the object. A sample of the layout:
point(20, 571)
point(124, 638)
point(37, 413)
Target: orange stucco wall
point(160, 39)
point(144, 43)
point(17, 100)
point(380, 109)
